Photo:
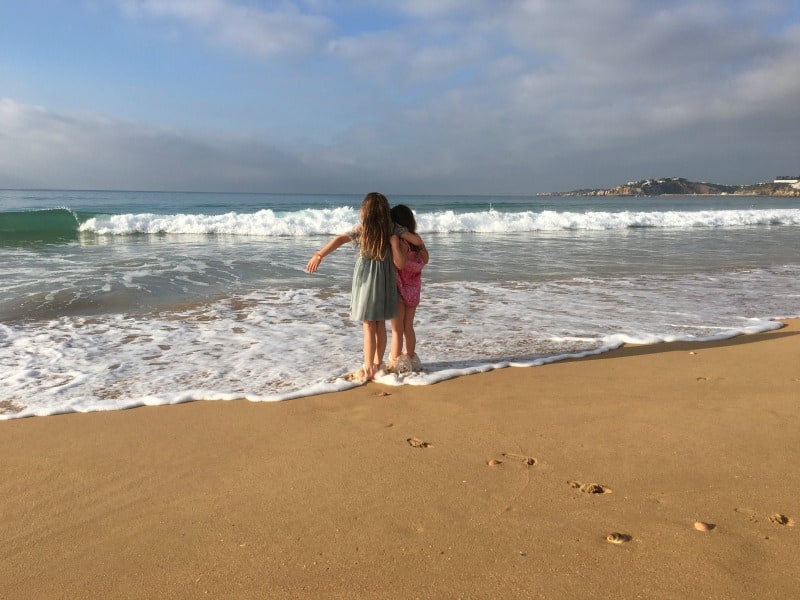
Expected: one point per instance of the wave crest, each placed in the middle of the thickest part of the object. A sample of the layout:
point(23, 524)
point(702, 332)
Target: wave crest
point(337, 220)
point(45, 224)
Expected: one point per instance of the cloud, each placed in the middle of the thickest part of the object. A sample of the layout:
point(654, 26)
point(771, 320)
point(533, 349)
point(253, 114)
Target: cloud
point(406, 58)
point(516, 96)
point(603, 79)
point(40, 148)
point(243, 28)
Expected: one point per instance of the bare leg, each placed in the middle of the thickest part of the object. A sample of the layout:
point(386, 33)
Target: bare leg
point(370, 347)
point(397, 332)
point(380, 344)
point(408, 330)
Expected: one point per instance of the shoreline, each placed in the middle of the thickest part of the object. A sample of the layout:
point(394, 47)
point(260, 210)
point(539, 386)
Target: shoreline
point(11, 411)
point(326, 497)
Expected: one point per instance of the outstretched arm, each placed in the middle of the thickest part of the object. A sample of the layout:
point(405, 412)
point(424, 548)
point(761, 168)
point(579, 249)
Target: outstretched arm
point(314, 262)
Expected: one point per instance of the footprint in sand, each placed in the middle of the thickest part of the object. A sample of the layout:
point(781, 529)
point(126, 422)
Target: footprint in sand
point(618, 538)
point(415, 442)
point(782, 520)
point(589, 488)
point(750, 513)
point(527, 460)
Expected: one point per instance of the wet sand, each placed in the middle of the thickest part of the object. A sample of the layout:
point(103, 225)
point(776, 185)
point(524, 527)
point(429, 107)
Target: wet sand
point(505, 484)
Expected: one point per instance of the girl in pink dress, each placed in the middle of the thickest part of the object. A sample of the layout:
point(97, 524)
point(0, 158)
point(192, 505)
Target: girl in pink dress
point(409, 286)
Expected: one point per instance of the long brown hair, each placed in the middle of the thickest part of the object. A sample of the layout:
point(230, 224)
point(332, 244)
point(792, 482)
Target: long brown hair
point(376, 226)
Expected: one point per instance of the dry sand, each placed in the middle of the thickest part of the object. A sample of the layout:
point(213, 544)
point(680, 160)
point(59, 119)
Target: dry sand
point(325, 497)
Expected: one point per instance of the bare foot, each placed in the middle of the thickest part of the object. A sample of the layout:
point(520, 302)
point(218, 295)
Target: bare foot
point(363, 374)
point(402, 365)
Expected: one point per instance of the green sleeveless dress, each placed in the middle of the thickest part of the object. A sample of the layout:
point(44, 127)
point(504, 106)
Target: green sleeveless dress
point(374, 296)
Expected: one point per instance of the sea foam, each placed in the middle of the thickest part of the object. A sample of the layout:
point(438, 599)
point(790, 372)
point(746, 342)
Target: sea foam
point(280, 344)
point(338, 220)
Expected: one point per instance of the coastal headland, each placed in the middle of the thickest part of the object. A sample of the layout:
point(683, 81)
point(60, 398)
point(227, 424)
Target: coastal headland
point(679, 186)
point(664, 471)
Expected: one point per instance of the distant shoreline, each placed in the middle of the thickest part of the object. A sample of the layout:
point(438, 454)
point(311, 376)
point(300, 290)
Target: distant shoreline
point(678, 186)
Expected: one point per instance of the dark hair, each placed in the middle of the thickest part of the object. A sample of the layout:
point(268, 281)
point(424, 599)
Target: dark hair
point(402, 215)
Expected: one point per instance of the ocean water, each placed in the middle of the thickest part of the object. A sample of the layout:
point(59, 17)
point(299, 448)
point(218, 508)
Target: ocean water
point(111, 300)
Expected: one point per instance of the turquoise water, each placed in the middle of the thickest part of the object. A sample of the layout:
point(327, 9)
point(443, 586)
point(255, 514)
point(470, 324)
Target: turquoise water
point(117, 299)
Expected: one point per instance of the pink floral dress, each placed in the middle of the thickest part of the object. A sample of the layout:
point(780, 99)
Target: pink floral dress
point(409, 279)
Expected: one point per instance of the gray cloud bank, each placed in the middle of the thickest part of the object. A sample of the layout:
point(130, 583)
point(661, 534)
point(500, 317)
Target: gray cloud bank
point(515, 97)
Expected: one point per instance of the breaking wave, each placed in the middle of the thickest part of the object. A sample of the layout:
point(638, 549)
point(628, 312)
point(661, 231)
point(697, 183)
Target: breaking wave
point(337, 220)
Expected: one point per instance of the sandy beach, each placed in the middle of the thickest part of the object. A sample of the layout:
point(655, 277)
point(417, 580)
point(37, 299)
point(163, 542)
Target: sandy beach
point(478, 487)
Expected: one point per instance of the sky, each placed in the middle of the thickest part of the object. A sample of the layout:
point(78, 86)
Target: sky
point(406, 97)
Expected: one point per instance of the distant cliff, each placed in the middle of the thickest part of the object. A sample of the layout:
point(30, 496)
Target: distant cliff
point(769, 189)
point(682, 187)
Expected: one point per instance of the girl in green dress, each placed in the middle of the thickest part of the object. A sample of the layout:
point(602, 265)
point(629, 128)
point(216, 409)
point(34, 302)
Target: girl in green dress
point(374, 294)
